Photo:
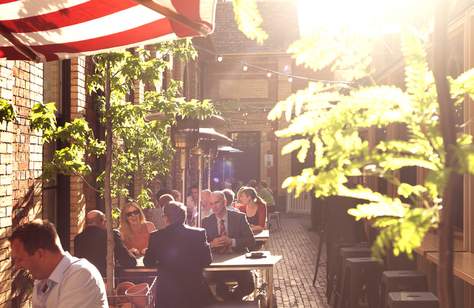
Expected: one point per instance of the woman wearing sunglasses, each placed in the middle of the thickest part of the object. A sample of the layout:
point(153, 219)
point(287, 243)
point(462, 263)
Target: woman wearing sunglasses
point(134, 229)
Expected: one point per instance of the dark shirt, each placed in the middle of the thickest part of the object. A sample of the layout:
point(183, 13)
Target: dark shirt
point(92, 245)
point(180, 253)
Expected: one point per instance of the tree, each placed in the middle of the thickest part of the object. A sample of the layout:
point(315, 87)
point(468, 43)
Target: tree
point(133, 144)
point(330, 118)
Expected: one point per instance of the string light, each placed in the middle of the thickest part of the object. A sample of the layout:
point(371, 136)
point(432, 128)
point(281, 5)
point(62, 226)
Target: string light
point(269, 72)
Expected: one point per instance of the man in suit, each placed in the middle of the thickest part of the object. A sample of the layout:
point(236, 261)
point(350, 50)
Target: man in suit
point(227, 232)
point(91, 244)
point(180, 252)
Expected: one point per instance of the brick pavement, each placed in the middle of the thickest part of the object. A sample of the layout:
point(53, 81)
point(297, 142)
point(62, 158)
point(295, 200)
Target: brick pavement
point(293, 275)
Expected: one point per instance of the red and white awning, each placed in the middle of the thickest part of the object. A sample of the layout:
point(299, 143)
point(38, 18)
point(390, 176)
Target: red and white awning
point(53, 29)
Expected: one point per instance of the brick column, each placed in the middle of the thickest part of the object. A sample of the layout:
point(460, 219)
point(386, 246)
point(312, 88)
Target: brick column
point(78, 110)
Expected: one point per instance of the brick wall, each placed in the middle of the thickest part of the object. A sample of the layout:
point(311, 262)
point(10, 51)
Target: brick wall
point(20, 160)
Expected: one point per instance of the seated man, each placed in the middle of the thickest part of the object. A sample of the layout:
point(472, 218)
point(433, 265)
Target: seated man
point(229, 231)
point(61, 280)
point(180, 252)
point(91, 244)
point(155, 215)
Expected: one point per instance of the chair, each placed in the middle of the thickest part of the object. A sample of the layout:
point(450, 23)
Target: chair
point(274, 216)
point(412, 300)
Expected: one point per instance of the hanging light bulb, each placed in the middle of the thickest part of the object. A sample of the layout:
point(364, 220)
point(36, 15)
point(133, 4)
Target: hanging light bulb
point(245, 68)
point(290, 79)
point(269, 74)
point(220, 58)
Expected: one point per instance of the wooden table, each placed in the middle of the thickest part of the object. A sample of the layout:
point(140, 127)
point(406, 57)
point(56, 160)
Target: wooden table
point(463, 266)
point(431, 242)
point(262, 237)
point(234, 262)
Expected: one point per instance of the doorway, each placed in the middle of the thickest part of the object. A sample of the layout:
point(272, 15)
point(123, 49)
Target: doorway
point(246, 165)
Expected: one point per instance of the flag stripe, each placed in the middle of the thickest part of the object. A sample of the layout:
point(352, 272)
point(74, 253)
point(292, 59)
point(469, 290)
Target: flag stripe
point(136, 17)
point(62, 28)
point(66, 17)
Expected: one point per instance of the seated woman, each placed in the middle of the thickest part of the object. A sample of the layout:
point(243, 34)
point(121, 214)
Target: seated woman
point(254, 207)
point(134, 229)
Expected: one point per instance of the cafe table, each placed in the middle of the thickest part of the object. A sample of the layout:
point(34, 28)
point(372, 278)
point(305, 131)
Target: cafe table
point(240, 262)
point(262, 237)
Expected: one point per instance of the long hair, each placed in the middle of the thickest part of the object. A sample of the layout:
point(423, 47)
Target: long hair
point(252, 193)
point(124, 227)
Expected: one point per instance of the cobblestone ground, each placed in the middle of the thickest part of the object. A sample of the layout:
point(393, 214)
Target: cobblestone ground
point(293, 276)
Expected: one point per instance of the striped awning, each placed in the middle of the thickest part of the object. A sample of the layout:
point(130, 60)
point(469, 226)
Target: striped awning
point(53, 29)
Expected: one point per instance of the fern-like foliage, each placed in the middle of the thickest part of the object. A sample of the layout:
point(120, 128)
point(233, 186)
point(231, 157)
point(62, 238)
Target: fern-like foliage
point(332, 124)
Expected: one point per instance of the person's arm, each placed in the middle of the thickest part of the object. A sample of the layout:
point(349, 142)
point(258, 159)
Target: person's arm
point(81, 289)
point(205, 256)
point(245, 237)
point(262, 215)
point(121, 253)
point(151, 257)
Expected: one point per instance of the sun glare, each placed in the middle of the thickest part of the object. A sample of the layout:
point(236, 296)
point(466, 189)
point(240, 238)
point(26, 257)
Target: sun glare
point(369, 17)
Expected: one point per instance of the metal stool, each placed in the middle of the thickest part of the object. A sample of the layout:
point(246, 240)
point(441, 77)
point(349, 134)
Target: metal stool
point(274, 216)
point(412, 300)
point(344, 252)
point(360, 273)
point(397, 281)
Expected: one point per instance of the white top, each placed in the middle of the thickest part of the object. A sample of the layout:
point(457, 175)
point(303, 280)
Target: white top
point(73, 283)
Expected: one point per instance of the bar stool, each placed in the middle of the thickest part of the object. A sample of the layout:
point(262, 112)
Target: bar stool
point(360, 272)
point(274, 216)
point(412, 300)
point(360, 250)
point(397, 281)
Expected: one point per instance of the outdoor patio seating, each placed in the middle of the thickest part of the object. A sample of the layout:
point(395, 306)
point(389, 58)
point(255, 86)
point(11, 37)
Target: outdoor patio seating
point(360, 274)
point(274, 220)
point(359, 250)
point(397, 281)
point(412, 300)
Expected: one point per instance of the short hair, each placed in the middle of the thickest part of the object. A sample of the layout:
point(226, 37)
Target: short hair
point(95, 218)
point(176, 194)
point(37, 234)
point(161, 192)
point(164, 199)
point(175, 211)
point(219, 194)
point(252, 183)
point(229, 195)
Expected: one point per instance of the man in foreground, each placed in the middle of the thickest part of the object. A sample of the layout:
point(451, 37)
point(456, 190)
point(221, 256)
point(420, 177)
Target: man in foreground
point(229, 232)
point(91, 244)
point(61, 280)
point(180, 252)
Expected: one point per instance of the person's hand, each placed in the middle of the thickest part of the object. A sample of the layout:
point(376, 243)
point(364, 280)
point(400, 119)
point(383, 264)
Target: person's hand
point(217, 242)
point(227, 241)
point(143, 252)
point(134, 252)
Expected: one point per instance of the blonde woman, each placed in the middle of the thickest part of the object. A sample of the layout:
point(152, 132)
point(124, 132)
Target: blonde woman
point(134, 229)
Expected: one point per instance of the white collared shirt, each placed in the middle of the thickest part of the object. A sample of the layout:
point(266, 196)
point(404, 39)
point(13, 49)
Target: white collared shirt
point(226, 224)
point(73, 283)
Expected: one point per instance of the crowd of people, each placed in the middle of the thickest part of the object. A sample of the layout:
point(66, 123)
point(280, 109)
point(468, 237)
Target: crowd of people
point(165, 236)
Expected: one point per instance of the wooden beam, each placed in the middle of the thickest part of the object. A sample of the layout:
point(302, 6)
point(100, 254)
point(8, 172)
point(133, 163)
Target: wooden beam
point(198, 27)
point(25, 50)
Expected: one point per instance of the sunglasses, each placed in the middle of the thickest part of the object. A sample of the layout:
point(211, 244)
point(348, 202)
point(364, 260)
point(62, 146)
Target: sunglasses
point(133, 213)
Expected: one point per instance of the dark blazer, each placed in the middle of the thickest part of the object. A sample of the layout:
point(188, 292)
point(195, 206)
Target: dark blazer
point(180, 253)
point(238, 229)
point(92, 245)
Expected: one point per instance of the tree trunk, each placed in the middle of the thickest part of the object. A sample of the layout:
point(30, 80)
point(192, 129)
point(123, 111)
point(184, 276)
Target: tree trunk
point(107, 185)
point(447, 122)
